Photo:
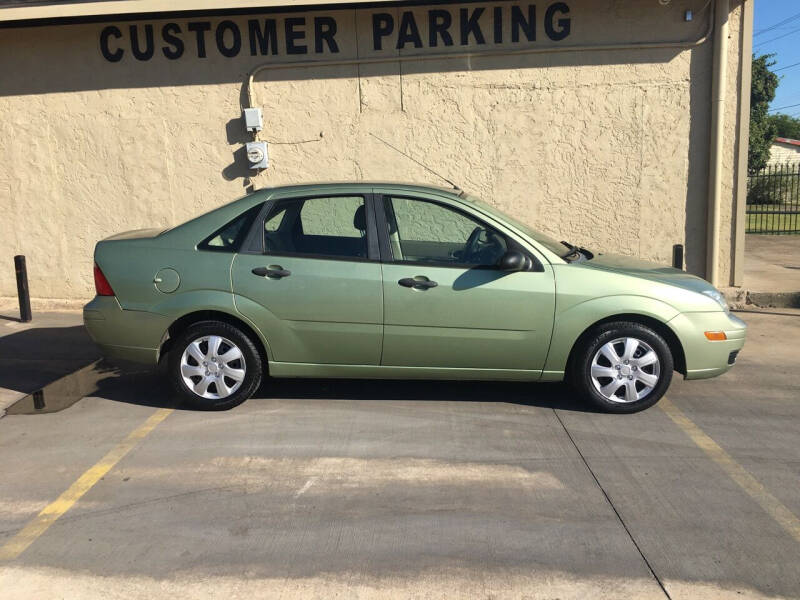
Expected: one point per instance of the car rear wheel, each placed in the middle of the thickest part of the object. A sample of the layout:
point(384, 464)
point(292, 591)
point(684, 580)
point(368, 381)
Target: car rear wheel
point(214, 366)
point(622, 367)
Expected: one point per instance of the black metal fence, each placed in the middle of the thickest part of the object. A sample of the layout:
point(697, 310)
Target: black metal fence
point(773, 200)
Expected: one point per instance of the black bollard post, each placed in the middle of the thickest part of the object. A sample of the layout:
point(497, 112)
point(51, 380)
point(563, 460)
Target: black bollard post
point(677, 256)
point(22, 289)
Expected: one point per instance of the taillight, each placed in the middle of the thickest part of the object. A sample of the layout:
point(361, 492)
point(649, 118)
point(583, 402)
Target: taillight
point(101, 285)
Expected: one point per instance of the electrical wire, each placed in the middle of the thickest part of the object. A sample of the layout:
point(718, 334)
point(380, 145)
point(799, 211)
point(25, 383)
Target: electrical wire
point(776, 25)
point(784, 68)
point(792, 32)
point(276, 143)
point(782, 107)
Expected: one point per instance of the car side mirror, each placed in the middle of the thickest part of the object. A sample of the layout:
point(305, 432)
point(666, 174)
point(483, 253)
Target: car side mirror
point(513, 260)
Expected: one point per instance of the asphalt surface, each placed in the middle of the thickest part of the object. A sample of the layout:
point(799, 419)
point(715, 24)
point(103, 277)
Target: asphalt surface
point(37, 353)
point(325, 489)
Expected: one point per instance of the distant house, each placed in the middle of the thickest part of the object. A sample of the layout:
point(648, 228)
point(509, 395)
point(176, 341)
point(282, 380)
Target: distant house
point(784, 152)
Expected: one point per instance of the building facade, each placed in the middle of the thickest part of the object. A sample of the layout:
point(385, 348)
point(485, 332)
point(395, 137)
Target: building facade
point(784, 152)
point(619, 125)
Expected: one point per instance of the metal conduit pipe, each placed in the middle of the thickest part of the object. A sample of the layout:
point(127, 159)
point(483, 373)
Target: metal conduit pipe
point(469, 55)
point(718, 88)
point(745, 82)
point(251, 100)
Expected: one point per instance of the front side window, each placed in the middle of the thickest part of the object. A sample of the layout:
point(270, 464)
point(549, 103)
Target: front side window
point(423, 231)
point(556, 247)
point(332, 227)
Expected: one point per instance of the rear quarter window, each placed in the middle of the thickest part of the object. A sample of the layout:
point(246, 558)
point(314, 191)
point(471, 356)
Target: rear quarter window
point(230, 236)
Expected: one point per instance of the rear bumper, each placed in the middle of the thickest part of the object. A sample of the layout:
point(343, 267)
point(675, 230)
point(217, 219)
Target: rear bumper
point(130, 335)
point(704, 358)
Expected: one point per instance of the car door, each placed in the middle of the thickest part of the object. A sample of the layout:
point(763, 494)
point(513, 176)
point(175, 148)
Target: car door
point(446, 303)
point(313, 283)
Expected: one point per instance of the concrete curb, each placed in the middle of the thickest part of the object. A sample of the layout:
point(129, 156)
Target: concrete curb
point(9, 398)
point(775, 299)
point(742, 298)
point(10, 305)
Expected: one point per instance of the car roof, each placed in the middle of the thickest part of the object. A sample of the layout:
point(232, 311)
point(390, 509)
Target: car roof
point(364, 185)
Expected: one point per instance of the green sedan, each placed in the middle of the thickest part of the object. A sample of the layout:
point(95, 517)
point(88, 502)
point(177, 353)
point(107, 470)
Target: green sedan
point(390, 281)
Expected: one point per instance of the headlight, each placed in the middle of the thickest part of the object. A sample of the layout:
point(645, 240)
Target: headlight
point(717, 295)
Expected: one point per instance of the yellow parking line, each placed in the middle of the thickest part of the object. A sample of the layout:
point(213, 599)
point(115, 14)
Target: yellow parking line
point(50, 513)
point(774, 507)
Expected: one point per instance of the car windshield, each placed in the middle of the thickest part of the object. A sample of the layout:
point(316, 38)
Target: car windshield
point(559, 248)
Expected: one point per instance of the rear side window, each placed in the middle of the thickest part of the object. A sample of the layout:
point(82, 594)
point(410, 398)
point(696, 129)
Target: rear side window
point(230, 236)
point(325, 227)
point(331, 216)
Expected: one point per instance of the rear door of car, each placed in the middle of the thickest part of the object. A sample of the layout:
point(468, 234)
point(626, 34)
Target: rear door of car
point(312, 282)
point(443, 308)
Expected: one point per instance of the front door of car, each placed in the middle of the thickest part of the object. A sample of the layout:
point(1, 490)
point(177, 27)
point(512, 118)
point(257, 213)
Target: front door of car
point(315, 288)
point(446, 302)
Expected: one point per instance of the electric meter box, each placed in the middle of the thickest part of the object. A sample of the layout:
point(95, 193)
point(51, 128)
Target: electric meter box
point(253, 120)
point(257, 155)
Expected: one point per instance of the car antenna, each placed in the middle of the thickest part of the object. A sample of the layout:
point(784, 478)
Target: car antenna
point(424, 166)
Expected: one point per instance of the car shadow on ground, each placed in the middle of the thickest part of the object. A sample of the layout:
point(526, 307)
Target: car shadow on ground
point(147, 387)
point(546, 395)
point(132, 384)
point(36, 356)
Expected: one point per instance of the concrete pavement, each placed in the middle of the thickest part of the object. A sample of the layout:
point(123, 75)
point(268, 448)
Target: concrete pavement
point(352, 489)
point(772, 270)
point(772, 263)
point(34, 354)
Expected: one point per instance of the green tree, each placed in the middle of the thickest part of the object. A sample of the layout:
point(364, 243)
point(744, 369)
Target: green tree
point(786, 126)
point(762, 129)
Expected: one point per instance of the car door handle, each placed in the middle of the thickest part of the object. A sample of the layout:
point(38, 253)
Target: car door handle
point(422, 284)
point(273, 272)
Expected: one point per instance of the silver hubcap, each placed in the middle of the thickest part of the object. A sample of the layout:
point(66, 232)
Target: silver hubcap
point(213, 367)
point(625, 370)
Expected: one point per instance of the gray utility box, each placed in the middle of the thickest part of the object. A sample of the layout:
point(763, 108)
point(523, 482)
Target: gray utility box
point(253, 120)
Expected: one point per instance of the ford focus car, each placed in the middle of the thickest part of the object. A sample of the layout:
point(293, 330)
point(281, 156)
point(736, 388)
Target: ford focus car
point(397, 281)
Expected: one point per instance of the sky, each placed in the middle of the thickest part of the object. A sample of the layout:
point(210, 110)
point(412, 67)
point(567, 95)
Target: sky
point(769, 15)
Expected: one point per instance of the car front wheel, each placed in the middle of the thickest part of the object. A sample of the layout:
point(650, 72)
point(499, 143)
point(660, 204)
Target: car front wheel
point(622, 367)
point(214, 366)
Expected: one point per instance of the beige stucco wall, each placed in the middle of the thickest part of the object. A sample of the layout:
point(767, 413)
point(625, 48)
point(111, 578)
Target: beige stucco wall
point(608, 149)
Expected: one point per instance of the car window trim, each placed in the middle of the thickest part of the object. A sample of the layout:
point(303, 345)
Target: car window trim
point(386, 249)
point(373, 248)
point(384, 244)
point(254, 242)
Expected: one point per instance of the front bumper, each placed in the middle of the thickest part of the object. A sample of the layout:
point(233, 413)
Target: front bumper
point(130, 335)
point(705, 358)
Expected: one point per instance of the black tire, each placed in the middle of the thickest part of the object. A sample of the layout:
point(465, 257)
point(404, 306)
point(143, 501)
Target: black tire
point(250, 356)
point(580, 372)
